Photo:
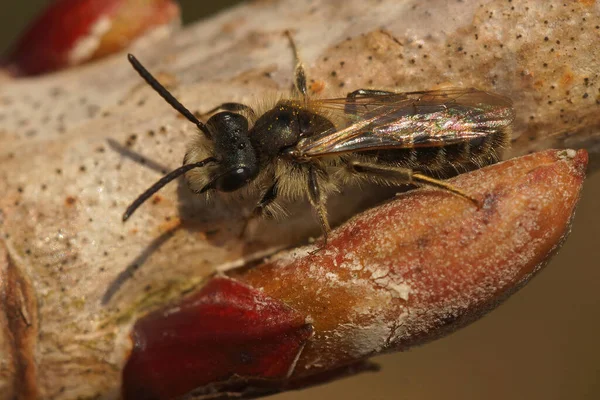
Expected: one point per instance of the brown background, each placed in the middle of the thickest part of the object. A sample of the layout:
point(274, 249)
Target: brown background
point(542, 344)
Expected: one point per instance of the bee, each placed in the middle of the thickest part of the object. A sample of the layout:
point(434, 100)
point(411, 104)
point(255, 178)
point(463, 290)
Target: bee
point(309, 148)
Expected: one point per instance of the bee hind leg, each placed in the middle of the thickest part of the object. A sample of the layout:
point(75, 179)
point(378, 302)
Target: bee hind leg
point(426, 180)
point(407, 176)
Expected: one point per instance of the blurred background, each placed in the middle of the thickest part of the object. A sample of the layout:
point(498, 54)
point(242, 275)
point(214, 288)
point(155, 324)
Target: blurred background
point(543, 343)
point(15, 15)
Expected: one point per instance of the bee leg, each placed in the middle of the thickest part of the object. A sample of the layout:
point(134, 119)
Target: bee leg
point(231, 107)
point(317, 201)
point(259, 211)
point(427, 180)
point(407, 176)
point(350, 107)
point(269, 197)
point(299, 73)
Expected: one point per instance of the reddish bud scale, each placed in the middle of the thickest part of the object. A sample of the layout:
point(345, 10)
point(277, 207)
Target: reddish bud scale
point(70, 32)
point(227, 328)
point(416, 268)
point(398, 275)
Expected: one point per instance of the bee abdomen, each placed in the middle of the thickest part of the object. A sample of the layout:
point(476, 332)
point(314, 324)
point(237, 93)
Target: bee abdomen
point(489, 150)
point(451, 158)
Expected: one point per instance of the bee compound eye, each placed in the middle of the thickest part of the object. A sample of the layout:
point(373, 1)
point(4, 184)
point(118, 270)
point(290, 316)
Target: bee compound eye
point(233, 179)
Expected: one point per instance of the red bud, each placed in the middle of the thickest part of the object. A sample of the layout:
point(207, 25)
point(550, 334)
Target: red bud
point(225, 335)
point(71, 32)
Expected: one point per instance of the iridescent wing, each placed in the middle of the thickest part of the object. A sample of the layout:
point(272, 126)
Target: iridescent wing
point(407, 120)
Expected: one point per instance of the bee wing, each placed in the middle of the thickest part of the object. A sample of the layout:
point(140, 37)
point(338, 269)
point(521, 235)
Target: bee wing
point(407, 120)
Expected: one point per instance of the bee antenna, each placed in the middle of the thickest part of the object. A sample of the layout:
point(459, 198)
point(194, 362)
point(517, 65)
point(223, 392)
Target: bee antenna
point(162, 182)
point(165, 94)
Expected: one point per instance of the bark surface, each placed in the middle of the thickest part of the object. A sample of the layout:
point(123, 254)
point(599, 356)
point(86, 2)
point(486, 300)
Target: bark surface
point(80, 144)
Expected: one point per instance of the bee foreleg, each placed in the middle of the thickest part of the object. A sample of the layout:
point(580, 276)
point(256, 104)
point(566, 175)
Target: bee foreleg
point(299, 73)
point(350, 107)
point(268, 197)
point(317, 200)
point(231, 107)
point(260, 210)
point(402, 175)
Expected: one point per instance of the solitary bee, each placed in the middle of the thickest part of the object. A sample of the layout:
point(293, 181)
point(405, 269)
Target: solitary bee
point(310, 148)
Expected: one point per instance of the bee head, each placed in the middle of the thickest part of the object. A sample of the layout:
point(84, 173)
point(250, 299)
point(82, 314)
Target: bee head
point(238, 162)
point(234, 155)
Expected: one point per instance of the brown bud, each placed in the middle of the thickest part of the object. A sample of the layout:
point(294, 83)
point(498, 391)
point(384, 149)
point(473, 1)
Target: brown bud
point(428, 262)
point(398, 275)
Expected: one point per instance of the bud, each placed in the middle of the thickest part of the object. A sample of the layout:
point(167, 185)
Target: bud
point(398, 275)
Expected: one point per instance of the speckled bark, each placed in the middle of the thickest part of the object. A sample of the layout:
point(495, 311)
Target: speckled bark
point(72, 142)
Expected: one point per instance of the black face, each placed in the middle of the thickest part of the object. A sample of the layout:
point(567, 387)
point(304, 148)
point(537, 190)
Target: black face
point(236, 155)
point(234, 179)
